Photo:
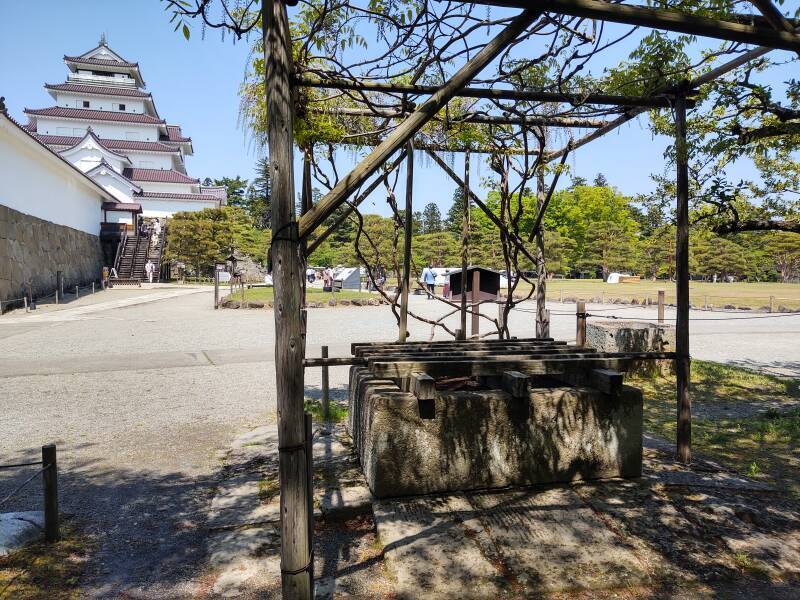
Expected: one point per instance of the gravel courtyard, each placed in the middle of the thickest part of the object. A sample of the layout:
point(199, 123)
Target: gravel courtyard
point(140, 397)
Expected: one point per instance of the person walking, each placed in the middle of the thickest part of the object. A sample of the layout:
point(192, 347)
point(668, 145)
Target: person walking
point(429, 278)
point(149, 267)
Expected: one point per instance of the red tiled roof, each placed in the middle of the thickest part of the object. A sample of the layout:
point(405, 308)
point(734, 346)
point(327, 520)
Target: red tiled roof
point(93, 115)
point(158, 175)
point(126, 206)
point(176, 135)
point(64, 140)
point(102, 90)
point(218, 191)
point(171, 196)
point(101, 62)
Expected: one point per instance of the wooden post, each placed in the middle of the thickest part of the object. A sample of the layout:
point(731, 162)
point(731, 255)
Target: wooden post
point(476, 299)
point(56, 295)
point(50, 481)
point(580, 313)
point(705, 302)
point(309, 433)
point(296, 561)
point(772, 304)
point(561, 295)
point(77, 294)
point(60, 284)
point(25, 302)
point(464, 248)
point(241, 287)
point(408, 231)
point(660, 306)
point(546, 324)
point(501, 315)
point(216, 288)
point(541, 270)
point(684, 431)
point(93, 287)
point(326, 408)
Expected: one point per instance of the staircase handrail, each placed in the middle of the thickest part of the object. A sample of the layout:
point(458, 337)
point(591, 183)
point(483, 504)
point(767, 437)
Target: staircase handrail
point(120, 247)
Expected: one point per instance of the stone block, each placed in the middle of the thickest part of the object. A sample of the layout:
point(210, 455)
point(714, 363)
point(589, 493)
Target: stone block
point(633, 336)
point(487, 439)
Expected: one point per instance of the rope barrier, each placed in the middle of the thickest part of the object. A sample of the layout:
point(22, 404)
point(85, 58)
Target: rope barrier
point(24, 483)
point(28, 464)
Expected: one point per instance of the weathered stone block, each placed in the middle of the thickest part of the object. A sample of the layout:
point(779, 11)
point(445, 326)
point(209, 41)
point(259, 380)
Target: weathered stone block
point(633, 336)
point(487, 439)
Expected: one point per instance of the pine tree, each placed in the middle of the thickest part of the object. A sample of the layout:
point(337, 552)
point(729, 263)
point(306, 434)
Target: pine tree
point(455, 216)
point(600, 180)
point(431, 219)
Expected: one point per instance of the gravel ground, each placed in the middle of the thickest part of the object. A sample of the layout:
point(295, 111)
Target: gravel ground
point(137, 445)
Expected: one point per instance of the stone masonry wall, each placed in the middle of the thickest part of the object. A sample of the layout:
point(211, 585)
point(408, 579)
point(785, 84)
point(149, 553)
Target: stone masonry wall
point(34, 249)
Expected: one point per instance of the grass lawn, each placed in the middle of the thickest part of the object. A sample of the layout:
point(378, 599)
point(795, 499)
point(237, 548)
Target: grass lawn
point(44, 571)
point(312, 294)
point(764, 446)
point(752, 295)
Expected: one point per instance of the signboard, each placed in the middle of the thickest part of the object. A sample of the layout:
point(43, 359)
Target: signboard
point(224, 276)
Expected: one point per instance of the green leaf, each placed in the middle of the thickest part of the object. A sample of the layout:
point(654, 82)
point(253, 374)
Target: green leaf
point(186, 31)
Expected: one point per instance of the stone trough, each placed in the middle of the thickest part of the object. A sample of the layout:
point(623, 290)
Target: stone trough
point(450, 416)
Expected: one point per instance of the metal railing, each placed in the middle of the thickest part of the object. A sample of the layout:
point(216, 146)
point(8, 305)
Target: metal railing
point(49, 473)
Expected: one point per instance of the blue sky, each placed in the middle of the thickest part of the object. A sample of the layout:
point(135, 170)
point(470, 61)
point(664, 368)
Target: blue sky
point(195, 84)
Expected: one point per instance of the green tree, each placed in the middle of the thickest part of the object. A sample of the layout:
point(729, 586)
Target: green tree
point(600, 180)
point(431, 219)
point(455, 215)
point(609, 247)
point(257, 201)
point(201, 238)
point(236, 188)
point(714, 255)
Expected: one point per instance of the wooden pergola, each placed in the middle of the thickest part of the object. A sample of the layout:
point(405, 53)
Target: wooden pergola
point(294, 238)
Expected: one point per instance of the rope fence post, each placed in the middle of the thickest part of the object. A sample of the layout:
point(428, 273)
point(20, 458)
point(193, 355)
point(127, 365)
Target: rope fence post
point(476, 299)
point(580, 314)
point(93, 287)
point(77, 293)
point(325, 391)
point(216, 288)
point(660, 307)
point(772, 304)
point(50, 480)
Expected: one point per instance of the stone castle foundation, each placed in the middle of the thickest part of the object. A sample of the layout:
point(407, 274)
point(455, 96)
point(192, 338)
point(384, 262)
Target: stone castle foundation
point(34, 249)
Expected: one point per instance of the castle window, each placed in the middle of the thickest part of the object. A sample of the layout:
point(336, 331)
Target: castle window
point(85, 104)
point(122, 107)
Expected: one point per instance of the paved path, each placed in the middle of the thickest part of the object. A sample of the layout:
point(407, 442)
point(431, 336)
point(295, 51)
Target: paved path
point(140, 389)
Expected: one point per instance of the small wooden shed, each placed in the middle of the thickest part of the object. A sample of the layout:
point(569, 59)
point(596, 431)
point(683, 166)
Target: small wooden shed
point(489, 285)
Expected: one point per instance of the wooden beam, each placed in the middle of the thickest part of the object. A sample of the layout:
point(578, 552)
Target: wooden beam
point(516, 383)
point(297, 581)
point(315, 243)
point(462, 331)
point(423, 386)
point(415, 121)
point(540, 366)
point(574, 98)
point(515, 239)
point(471, 118)
point(357, 347)
point(658, 18)
point(773, 16)
point(682, 364)
point(632, 113)
point(408, 230)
